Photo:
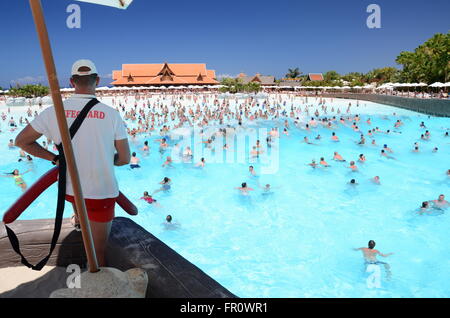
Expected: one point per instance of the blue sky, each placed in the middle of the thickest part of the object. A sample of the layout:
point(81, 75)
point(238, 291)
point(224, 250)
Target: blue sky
point(231, 36)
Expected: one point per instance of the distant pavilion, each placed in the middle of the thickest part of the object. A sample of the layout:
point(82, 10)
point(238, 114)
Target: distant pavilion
point(263, 80)
point(163, 75)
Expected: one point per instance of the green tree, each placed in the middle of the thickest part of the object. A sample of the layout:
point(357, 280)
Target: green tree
point(382, 75)
point(353, 77)
point(235, 85)
point(29, 91)
point(293, 73)
point(430, 62)
point(331, 76)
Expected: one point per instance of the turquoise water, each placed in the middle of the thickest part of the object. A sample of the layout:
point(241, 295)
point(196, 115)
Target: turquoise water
point(299, 240)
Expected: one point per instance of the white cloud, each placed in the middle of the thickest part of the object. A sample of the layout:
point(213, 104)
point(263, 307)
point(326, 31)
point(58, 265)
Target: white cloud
point(221, 76)
point(29, 80)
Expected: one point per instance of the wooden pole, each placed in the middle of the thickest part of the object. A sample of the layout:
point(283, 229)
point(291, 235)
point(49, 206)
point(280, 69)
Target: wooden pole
point(80, 206)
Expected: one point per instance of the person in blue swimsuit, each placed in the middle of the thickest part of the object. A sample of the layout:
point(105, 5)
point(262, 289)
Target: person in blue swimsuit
point(166, 184)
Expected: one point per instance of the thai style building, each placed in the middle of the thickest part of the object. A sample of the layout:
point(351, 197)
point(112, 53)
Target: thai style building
point(163, 75)
point(315, 77)
point(258, 78)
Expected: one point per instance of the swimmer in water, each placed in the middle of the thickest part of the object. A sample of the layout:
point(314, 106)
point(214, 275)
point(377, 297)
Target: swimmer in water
point(353, 166)
point(362, 158)
point(11, 144)
point(163, 145)
point(187, 153)
point(376, 180)
point(134, 161)
point(441, 203)
point(334, 137)
point(146, 148)
point(305, 139)
point(370, 256)
point(254, 152)
point(362, 140)
point(313, 164)
point(166, 185)
point(252, 171)
point(266, 189)
point(324, 163)
point(385, 147)
point(201, 163)
point(425, 207)
point(244, 188)
point(18, 179)
point(168, 162)
point(169, 225)
point(384, 154)
point(149, 199)
point(353, 182)
point(338, 157)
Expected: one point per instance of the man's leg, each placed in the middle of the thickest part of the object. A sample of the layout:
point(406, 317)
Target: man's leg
point(100, 234)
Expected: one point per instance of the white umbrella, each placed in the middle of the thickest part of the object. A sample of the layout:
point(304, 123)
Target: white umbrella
point(447, 84)
point(437, 84)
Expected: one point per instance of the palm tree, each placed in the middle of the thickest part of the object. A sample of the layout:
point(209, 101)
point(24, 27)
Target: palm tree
point(293, 72)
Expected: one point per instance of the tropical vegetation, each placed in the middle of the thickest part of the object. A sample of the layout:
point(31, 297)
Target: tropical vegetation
point(293, 73)
point(429, 63)
point(235, 85)
point(29, 91)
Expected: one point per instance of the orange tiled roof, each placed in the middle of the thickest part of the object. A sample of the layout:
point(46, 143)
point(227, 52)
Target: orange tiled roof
point(315, 76)
point(163, 74)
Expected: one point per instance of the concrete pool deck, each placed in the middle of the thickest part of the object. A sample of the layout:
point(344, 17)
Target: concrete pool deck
point(12, 277)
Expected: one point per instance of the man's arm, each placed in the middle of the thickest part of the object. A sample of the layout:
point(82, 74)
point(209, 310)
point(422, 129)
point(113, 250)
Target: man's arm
point(123, 156)
point(384, 255)
point(26, 140)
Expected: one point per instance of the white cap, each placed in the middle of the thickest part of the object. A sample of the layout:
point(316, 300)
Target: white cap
point(83, 63)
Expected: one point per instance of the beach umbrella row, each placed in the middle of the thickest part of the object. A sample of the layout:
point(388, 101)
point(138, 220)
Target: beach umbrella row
point(369, 86)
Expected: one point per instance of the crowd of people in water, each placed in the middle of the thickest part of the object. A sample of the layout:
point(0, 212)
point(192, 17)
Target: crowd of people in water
point(162, 116)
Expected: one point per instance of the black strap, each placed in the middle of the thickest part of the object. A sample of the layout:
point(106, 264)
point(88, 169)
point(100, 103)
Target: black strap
point(61, 193)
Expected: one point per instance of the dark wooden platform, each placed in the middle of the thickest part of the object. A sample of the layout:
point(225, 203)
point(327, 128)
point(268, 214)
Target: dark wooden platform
point(130, 245)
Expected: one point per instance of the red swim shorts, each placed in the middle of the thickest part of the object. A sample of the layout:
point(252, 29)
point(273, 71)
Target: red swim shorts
point(98, 210)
